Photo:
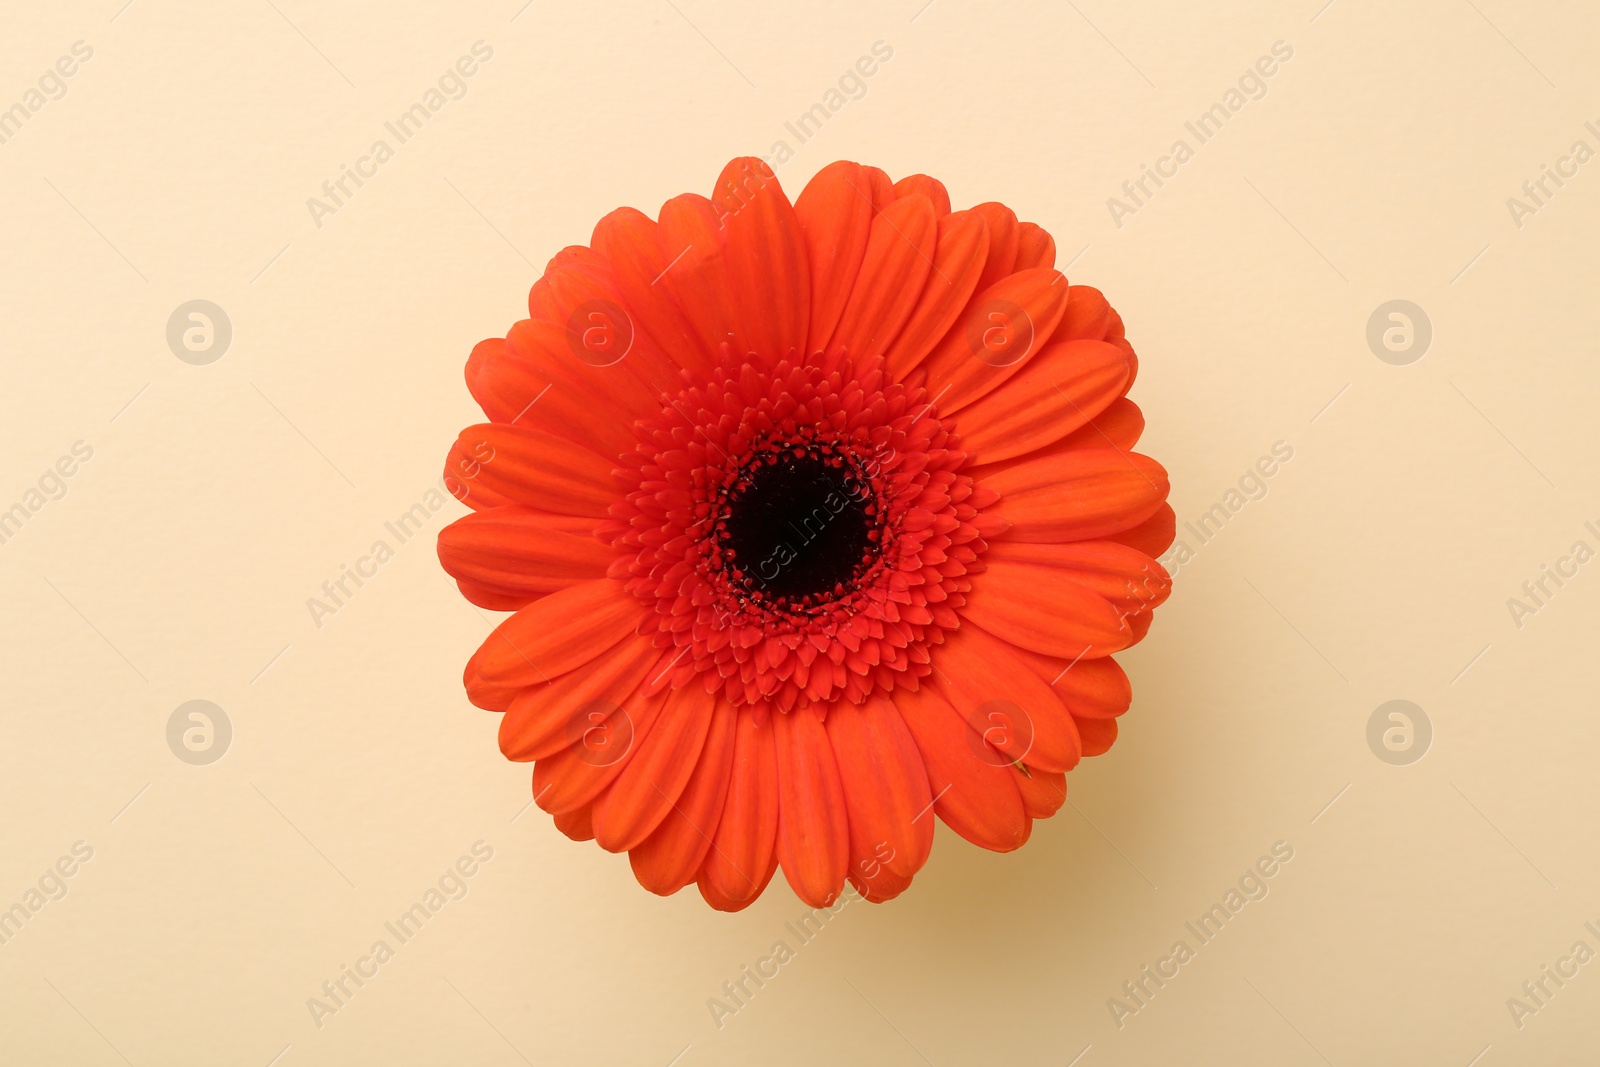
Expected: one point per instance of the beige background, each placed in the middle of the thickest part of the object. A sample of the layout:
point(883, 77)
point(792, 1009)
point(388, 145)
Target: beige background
point(220, 497)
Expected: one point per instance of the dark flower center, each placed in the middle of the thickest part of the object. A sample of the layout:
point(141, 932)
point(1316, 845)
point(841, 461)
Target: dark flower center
point(801, 525)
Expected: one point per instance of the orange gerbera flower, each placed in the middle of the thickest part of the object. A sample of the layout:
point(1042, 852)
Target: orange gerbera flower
point(818, 520)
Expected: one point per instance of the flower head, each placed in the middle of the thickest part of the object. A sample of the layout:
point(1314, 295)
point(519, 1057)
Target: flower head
point(817, 520)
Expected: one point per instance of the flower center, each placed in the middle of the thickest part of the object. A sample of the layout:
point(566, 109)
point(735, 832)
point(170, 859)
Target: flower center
point(804, 533)
point(800, 525)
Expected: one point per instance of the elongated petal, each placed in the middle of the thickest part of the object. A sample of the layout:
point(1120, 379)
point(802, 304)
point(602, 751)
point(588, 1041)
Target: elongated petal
point(580, 298)
point(588, 360)
point(1117, 335)
point(577, 823)
point(1059, 391)
point(1095, 688)
point(1045, 610)
point(1035, 247)
point(1043, 792)
point(883, 191)
point(488, 596)
point(1003, 327)
point(545, 299)
point(813, 828)
point(520, 552)
point(550, 637)
point(1078, 495)
point(513, 464)
point(1004, 236)
point(835, 215)
point(922, 185)
point(1098, 735)
point(977, 796)
point(1009, 705)
point(627, 239)
point(713, 894)
point(1154, 535)
point(695, 275)
point(743, 852)
point(515, 383)
point(1095, 691)
point(649, 786)
point(1087, 317)
point(886, 795)
point(1128, 579)
point(899, 255)
point(671, 856)
point(957, 264)
point(547, 717)
point(572, 257)
point(579, 773)
point(766, 257)
point(502, 384)
point(1120, 425)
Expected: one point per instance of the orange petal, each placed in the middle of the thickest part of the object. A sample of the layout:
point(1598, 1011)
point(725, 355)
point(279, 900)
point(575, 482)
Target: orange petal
point(501, 383)
point(899, 255)
point(884, 883)
point(572, 257)
point(486, 596)
point(669, 858)
point(742, 855)
point(586, 361)
point(1043, 792)
point(1075, 496)
point(1035, 247)
point(1046, 611)
point(550, 637)
point(1087, 317)
point(579, 773)
point(813, 829)
point(521, 384)
point(543, 719)
point(1098, 735)
point(516, 464)
point(519, 552)
point(957, 263)
point(581, 298)
point(1154, 535)
point(922, 185)
point(1057, 392)
point(835, 215)
point(999, 332)
point(649, 786)
point(1139, 622)
point(1129, 579)
point(1003, 239)
point(883, 193)
point(1009, 705)
point(627, 239)
point(886, 789)
point(766, 258)
point(722, 902)
point(576, 823)
point(570, 524)
point(1094, 689)
point(1089, 688)
point(1117, 336)
point(691, 241)
point(1119, 426)
point(976, 796)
